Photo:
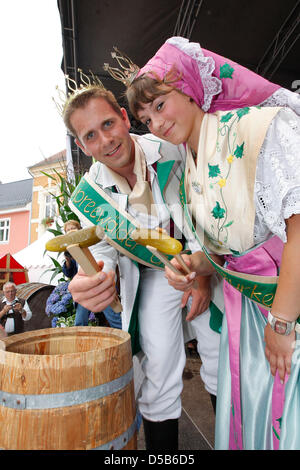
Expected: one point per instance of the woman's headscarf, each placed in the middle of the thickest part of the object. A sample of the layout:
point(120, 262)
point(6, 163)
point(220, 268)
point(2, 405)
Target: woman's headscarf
point(214, 82)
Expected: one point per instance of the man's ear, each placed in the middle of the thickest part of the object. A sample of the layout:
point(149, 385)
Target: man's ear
point(126, 118)
point(80, 145)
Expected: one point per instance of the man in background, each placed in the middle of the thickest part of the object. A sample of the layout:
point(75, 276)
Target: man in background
point(13, 310)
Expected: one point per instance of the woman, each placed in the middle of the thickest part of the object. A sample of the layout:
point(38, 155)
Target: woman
point(242, 182)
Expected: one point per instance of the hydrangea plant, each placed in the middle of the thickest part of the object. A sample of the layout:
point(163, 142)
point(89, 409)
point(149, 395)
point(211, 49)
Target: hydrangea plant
point(60, 306)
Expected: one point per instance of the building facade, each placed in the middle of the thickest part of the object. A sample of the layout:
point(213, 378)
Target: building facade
point(15, 215)
point(44, 208)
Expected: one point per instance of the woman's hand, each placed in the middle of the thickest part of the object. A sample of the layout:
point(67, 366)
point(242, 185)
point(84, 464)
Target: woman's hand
point(198, 265)
point(279, 350)
point(201, 297)
point(286, 304)
point(183, 282)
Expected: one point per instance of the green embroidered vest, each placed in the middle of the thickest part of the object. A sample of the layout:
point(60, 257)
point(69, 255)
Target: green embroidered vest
point(220, 190)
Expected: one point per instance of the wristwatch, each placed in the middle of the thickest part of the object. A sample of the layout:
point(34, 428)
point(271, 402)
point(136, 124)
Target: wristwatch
point(281, 326)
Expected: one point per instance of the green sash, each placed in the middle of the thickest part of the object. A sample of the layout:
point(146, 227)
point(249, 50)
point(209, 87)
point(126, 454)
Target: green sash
point(97, 207)
point(90, 202)
point(87, 201)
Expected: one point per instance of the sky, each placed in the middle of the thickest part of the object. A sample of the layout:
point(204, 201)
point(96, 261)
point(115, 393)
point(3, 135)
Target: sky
point(31, 128)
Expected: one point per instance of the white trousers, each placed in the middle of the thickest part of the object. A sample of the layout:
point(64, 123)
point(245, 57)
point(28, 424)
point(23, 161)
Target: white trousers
point(208, 349)
point(208, 341)
point(161, 339)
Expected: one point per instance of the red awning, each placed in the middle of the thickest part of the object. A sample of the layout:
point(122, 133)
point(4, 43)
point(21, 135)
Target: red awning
point(11, 270)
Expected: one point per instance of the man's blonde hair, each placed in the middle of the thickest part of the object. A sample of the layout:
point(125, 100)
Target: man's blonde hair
point(80, 99)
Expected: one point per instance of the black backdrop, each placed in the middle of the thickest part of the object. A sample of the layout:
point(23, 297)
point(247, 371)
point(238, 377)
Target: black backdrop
point(263, 35)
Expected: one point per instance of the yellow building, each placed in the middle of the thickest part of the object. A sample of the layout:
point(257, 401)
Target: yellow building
point(44, 208)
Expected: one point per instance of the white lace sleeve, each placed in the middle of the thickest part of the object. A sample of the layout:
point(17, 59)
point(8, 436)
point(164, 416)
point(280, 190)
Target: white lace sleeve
point(277, 185)
point(284, 98)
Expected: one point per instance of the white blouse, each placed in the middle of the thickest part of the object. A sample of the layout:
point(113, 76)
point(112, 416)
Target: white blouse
point(277, 183)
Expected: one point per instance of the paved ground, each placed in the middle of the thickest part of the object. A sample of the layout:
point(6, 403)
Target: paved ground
point(197, 422)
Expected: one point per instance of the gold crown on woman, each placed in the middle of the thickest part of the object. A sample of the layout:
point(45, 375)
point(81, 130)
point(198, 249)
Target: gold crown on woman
point(128, 71)
point(73, 88)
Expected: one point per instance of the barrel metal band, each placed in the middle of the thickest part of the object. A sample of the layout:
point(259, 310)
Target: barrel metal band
point(120, 441)
point(64, 399)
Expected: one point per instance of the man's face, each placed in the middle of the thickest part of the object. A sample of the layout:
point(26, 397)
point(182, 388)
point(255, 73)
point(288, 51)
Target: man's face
point(104, 134)
point(10, 293)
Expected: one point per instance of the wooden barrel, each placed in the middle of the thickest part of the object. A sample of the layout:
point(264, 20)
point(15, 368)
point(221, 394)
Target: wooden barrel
point(36, 295)
point(67, 388)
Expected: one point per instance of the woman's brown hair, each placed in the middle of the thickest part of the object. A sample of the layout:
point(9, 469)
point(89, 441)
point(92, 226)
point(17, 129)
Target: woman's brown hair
point(147, 88)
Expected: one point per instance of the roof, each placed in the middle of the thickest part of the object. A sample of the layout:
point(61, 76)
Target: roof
point(58, 157)
point(15, 194)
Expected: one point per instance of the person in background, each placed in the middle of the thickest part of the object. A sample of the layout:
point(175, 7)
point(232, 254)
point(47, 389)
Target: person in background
point(13, 310)
point(69, 266)
point(69, 269)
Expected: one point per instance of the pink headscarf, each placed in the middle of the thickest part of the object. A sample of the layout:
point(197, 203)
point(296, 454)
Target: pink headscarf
point(214, 82)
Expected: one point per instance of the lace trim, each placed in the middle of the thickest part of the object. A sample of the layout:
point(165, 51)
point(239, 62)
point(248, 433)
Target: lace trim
point(211, 85)
point(284, 98)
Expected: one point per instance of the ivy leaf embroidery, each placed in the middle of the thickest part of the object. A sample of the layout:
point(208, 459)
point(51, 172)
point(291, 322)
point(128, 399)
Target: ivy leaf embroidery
point(228, 225)
point(213, 171)
point(241, 112)
point(218, 212)
point(226, 117)
point(239, 150)
point(226, 71)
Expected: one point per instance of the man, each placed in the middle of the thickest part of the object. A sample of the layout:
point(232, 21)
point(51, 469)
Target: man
point(126, 175)
point(13, 310)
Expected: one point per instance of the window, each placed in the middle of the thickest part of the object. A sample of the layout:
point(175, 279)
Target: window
point(4, 230)
point(50, 206)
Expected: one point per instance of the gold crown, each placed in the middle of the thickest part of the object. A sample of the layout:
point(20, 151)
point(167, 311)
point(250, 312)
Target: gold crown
point(129, 69)
point(74, 89)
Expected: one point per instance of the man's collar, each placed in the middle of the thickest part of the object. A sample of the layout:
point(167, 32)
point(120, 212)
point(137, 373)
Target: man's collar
point(107, 177)
point(4, 299)
point(150, 146)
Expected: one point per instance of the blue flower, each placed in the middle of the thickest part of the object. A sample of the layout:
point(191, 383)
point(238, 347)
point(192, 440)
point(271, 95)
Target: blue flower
point(60, 302)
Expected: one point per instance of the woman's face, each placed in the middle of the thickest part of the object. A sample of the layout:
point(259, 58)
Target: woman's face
point(171, 117)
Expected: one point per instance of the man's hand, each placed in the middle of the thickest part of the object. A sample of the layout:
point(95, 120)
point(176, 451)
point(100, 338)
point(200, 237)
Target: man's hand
point(5, 310)
point(279, 350)
point(17, 306)
point(95, 293)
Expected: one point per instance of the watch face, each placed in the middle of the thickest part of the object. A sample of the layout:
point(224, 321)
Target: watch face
point(280, 327)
